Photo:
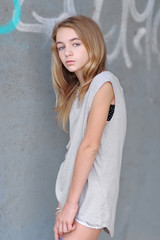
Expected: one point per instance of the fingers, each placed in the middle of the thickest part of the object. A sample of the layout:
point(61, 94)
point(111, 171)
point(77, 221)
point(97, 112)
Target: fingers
point(71, 227)
point(56, 233)
point(65, 229)
point(61, 228)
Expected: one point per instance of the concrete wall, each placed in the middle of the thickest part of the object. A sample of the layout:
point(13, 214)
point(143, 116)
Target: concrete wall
point(32, 147)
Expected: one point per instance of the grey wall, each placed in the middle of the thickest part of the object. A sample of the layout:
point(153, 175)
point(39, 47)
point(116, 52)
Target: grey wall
point(32, 146)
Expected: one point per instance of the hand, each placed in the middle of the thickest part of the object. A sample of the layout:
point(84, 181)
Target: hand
point(65, 220)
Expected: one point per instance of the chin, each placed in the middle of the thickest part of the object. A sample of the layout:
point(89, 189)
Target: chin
point(71, 70)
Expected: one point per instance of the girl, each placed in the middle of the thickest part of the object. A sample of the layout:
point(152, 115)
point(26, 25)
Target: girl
point(92, 98)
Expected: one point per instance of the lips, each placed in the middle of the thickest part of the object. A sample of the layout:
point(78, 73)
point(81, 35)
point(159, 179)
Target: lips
point(70, 62)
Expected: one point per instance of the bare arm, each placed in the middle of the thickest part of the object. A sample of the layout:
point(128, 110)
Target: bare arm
point(89, 146)
point(85, 157)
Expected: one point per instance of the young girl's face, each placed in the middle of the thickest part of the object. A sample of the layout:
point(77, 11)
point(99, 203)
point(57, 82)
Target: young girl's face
point(72, 51)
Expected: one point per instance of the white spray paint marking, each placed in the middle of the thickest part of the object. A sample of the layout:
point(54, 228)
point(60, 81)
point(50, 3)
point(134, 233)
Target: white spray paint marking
point(46, 24)
point(129, 6)
point(149, 32)
point(110, 33)
point(69, 6)
point(156, 23)
point(122, 41)
point(136, 41)
point(145, 15)
point(140, 17)
point(97, 9)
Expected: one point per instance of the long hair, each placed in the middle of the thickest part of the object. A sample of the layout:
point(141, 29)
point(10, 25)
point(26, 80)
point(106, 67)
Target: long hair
point(66, 83)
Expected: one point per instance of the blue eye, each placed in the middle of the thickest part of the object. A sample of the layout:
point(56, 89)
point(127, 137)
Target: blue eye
point(76, 44)
point(61, 48)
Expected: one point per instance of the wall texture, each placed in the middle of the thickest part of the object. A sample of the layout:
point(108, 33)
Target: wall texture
point(32, 146)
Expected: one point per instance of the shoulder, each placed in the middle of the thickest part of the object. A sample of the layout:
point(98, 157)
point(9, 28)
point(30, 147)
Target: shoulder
point(104, 94)
point(101, 97)
point(99, 79)
point(102, 84)
point(105, 74)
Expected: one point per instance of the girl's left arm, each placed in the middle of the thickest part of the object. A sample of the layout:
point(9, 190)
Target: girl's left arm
point(87, 151)
point(89, 146)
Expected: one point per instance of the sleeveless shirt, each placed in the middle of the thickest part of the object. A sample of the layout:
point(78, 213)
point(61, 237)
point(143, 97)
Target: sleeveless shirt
point(98, 200)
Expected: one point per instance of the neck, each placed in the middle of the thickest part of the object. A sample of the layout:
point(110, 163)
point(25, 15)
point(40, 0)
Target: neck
point(80, 77)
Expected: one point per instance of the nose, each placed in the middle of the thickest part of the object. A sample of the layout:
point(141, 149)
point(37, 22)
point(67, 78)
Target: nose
point(68, 51)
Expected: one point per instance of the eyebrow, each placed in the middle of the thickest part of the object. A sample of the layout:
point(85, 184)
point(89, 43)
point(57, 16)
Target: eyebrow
point(71, 40)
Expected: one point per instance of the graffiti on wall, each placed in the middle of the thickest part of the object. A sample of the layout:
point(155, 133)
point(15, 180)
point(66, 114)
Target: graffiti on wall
point(13, 22)
point(149, 32)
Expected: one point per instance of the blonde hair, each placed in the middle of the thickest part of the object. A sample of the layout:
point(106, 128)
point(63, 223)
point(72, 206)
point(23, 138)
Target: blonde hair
point(66, 83)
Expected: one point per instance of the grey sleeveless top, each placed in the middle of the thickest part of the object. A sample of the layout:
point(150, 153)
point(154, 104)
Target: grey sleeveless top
point(98, 200)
